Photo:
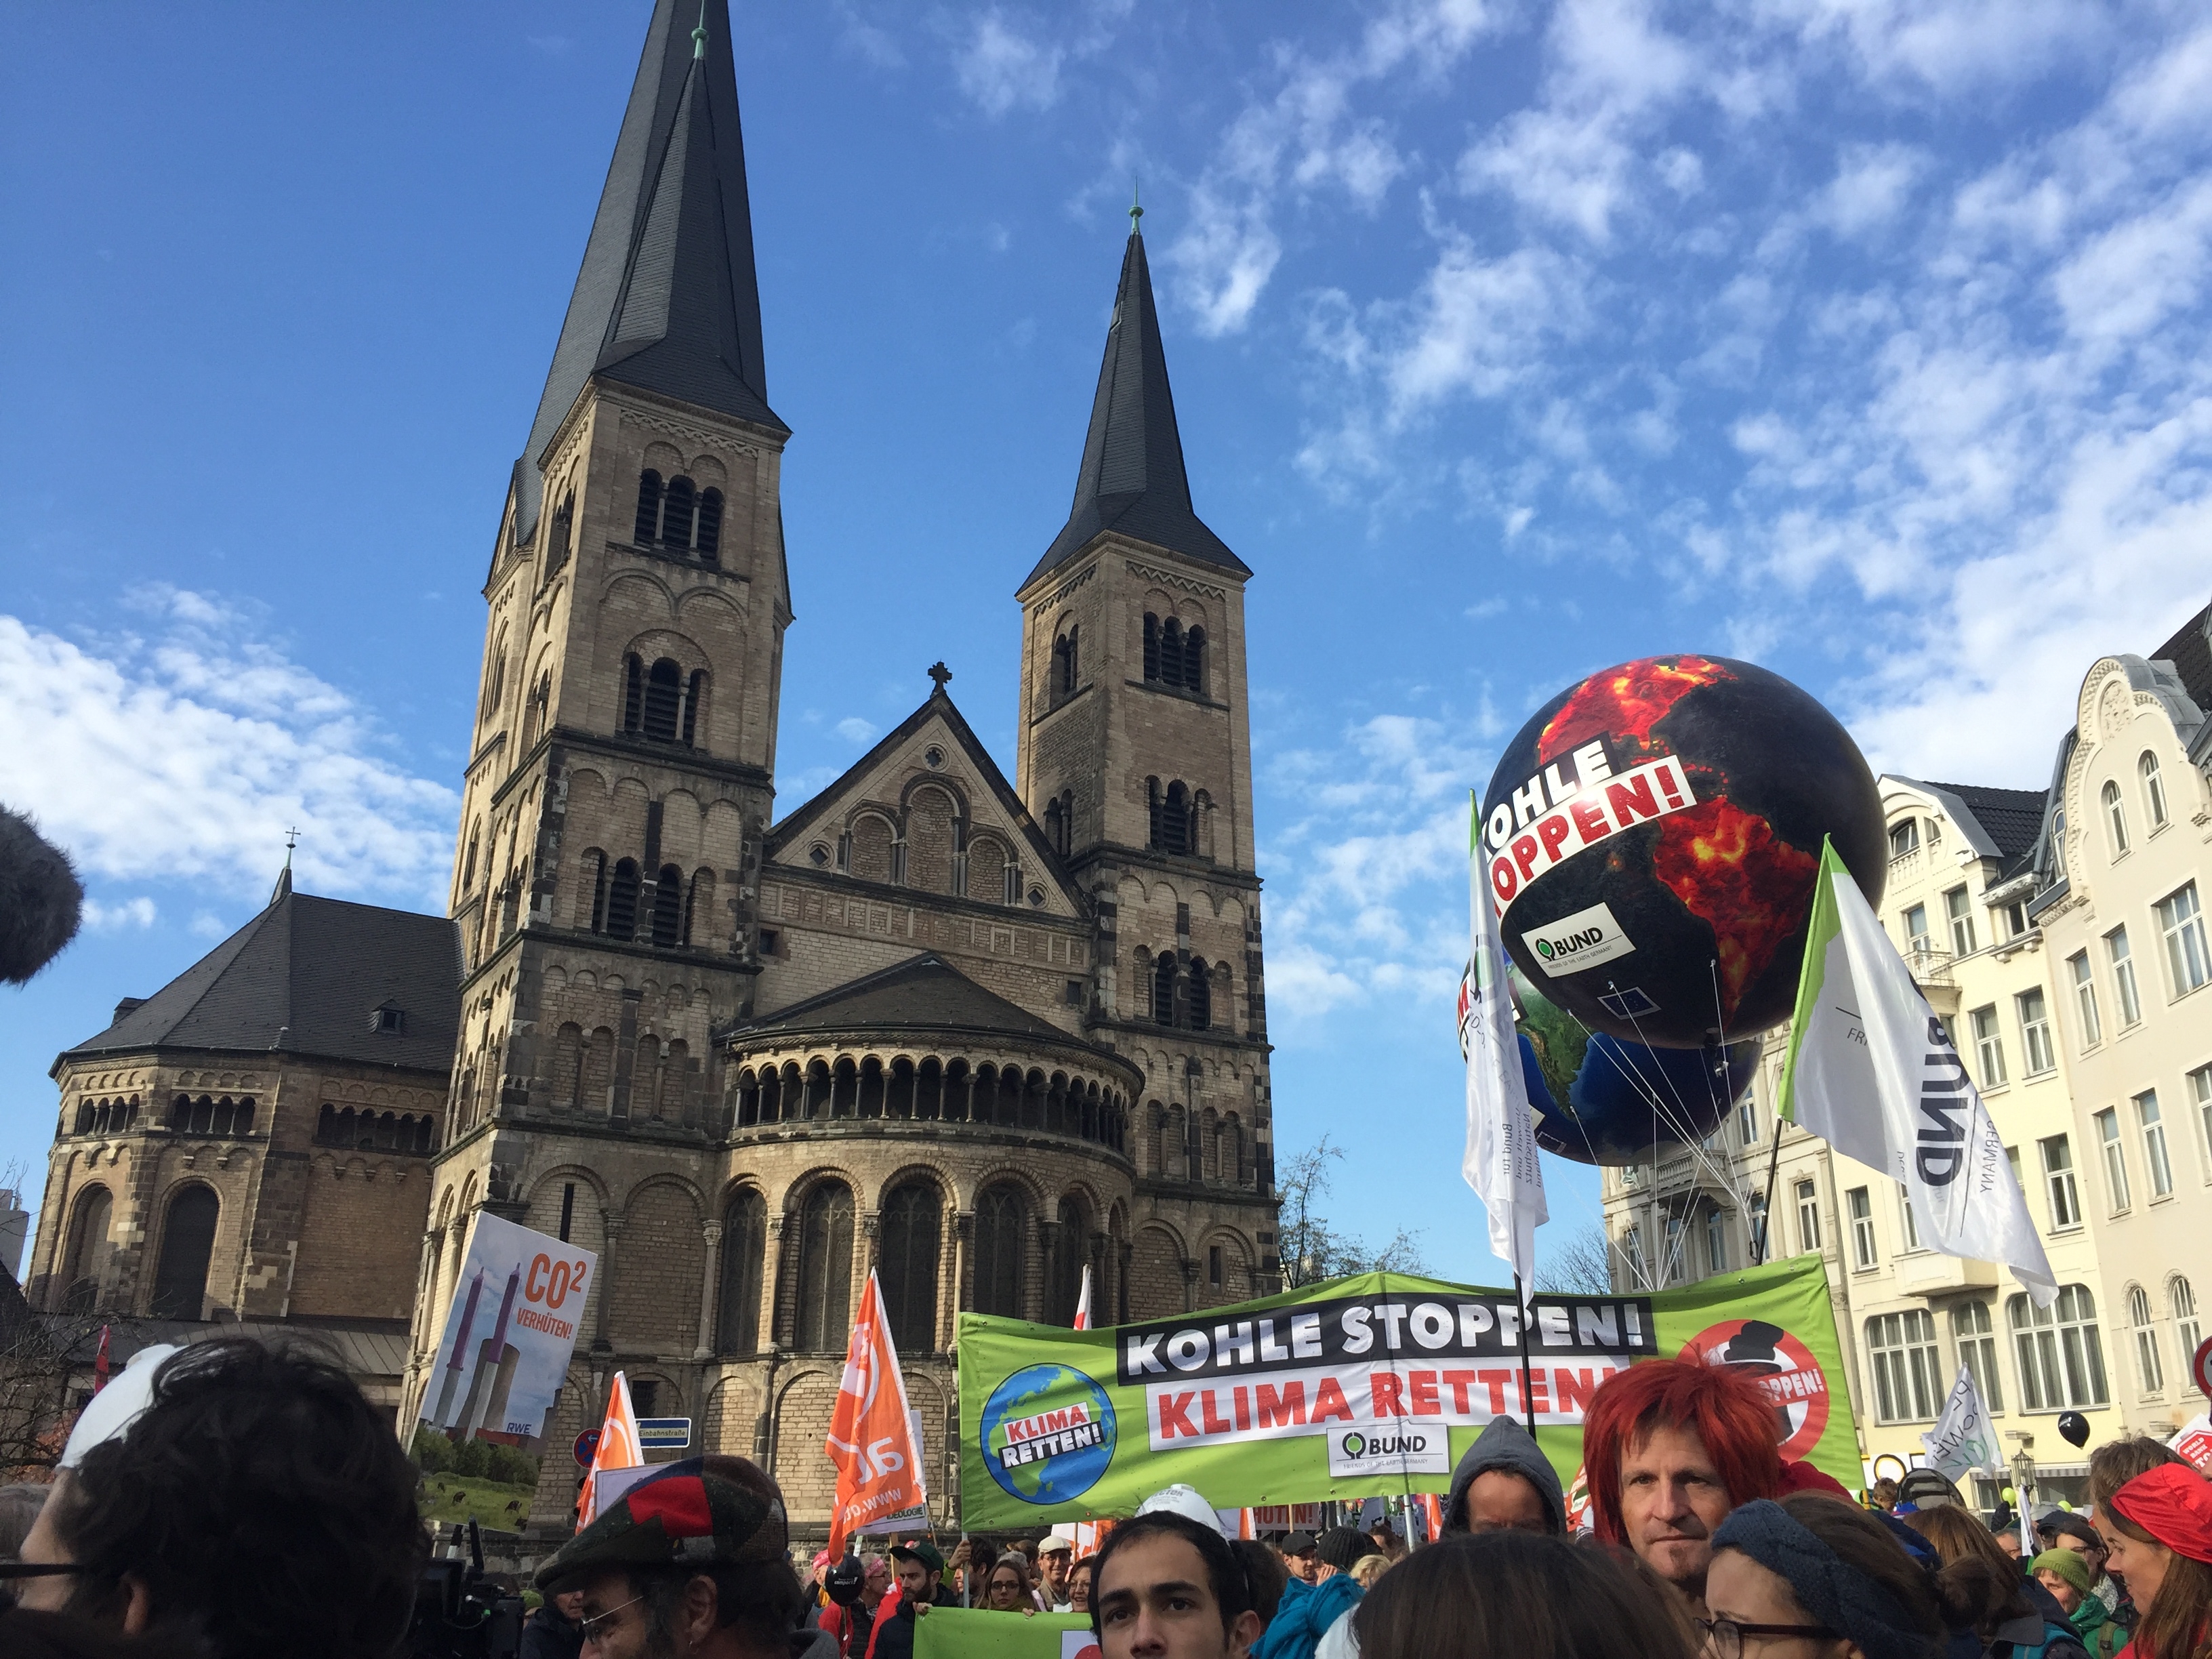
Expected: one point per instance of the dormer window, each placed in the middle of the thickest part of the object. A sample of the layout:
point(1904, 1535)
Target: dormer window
point(391, 1017)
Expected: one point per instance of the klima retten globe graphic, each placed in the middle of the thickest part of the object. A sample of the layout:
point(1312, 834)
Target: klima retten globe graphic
point(1065, 1422)
point(1651, 838)
point(1599, 1100)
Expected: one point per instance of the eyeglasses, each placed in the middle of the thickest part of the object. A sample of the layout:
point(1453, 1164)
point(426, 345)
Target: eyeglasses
point(593, 1628)
point(11, 1570)
point(1725, 1635)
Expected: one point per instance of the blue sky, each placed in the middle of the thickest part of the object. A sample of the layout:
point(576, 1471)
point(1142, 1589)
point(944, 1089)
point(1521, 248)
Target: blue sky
point(1863, 338)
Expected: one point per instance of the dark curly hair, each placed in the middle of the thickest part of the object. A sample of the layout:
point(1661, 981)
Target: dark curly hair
point(260, 1500)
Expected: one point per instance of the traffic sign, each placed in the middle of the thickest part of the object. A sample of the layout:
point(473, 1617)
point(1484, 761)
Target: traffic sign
point(586, 1443)
point(664, 1433)
point(2201, 1366)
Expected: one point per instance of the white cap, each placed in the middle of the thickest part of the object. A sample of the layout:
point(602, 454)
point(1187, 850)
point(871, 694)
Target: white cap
point(117, 1406)
point(1060, 1538)
point(1182, 1500)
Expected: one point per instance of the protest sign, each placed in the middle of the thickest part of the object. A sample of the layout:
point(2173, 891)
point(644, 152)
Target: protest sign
point(974, 1633)
point(1376, 1381)
point(497, 1373)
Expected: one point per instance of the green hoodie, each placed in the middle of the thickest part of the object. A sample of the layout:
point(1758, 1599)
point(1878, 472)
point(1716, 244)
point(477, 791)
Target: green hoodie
point(2094, 1624)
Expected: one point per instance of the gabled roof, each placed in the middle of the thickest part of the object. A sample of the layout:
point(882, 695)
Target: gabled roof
point(923, 993)
point(1998, 823)
point(2190, 650)
point(939, 706)
point(1132, 481)
point(666, 299)
point(304, 977)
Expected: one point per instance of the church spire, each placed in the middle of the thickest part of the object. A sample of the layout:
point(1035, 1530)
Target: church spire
point(666, 299)
point(1132, 480)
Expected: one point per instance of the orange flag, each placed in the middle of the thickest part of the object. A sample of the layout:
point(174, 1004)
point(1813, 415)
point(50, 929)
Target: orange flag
point(878, 1476)
point(620, 1448)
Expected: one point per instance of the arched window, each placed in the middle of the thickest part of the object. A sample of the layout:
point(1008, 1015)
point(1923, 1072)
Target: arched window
point(1199, 996)
point(596, 1092)
point(648, 507)
point(621, 900)
point(1071, 1248)
point(2149, 1371)
point(710, 541)
point(1194, 660)
point(87, 1255)
point(495, 675)
point(987, 872)
point(1164, 988)
point(2061, 1358)
point(2188, 1335)
point(745, 1246)
point(699, 906)
point(668, 908)
point(1064, 666)
point(1174, 819)
point(1151, 646)
point(564, 518)
point(694, 694)
point(187, 1243)
point(595, 883)
point(2116, 817)
point(2153, 789)
point(1053, 829)
point(825, 1268)
point(534, 712)
point(911, 1225)
point(1002, 1216)
point(676, 503)
point(567, 1063)
point(1171, 653)
point(664, 697)
point(469, 863)
point(633, 692)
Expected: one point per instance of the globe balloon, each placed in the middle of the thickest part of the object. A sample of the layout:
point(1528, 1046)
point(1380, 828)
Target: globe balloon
point(1651, 839)
point(1599, 1100)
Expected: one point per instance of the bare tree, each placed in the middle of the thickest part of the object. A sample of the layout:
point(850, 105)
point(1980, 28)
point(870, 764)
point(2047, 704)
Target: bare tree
point(42, 1363)
point(1581, 1265)
point(1311, 1248)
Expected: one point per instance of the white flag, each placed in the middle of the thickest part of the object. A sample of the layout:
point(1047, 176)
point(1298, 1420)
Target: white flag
point(1872, 1072)
point(1500, 1164)
point(1083, 1302)
point(1963, 1441)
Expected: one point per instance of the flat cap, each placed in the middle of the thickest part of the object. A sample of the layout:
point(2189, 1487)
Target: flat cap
point(698, 1513)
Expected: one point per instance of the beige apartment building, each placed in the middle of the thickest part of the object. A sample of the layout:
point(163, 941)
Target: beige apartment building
point(2070, 967)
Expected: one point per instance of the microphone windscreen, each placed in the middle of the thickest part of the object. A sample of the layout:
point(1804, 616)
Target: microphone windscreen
point(40, 899)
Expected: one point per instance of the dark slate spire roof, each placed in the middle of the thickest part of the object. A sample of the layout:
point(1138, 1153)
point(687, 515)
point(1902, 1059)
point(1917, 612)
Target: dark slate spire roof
point(667, 300)
point(306, 976)
point(1132, 480)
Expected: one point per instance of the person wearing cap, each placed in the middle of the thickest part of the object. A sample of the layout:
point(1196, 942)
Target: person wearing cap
point(1926, 1488)
point(921, 1571)
point(1298, 1557)
point(2065, 1574)
point(1054, 1556)
point(2066, 1531)
point(1503, 1481)
point(2159, 1527)
point(1806, 1575)
point(1314, 1618)
point(692, 1560)
point(555, 1629)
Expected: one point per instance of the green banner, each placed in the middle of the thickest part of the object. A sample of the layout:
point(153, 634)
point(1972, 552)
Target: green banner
point(1356, 1387)
point(973, 1634)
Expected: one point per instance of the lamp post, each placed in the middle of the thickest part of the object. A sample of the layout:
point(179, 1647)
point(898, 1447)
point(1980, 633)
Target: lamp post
point(2023, 1486)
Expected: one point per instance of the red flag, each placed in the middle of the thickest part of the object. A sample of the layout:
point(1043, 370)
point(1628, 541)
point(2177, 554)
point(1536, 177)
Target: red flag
point(1083, 1302)
point(100, 1363)
point(870, 1441)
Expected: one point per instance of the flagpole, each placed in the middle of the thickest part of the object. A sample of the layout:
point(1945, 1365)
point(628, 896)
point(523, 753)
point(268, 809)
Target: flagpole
point(1773, 1169)
point(1527, 1388)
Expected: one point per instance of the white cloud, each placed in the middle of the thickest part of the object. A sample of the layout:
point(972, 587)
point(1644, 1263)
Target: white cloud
point(185, 751)
point(854, 729)
point(1946, 45)
point(1870, 188)
point(1003, 67)
point(125, 913)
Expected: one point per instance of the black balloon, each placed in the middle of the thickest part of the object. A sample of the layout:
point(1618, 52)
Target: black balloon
point(2074, 1427)
point(1652, 837)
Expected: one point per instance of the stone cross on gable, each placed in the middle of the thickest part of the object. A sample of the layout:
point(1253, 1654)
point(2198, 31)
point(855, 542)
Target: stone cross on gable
point(940, 673)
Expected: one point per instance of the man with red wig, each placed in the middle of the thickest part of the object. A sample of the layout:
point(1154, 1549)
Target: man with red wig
point(1669, 1447)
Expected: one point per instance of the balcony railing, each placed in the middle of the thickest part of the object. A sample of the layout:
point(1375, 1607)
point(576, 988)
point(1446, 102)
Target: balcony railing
point(1929, 966)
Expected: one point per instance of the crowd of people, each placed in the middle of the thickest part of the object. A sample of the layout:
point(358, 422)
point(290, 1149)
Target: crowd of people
point(236, 1501)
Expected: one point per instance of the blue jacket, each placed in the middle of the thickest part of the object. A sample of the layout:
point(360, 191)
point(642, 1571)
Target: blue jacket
point(1304, 1616)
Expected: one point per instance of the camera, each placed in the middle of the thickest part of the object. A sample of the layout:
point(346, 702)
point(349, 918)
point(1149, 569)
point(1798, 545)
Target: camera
point(460, 1611)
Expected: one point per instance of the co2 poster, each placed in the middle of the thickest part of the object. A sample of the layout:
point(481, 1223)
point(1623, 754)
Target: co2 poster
point(508, 1334)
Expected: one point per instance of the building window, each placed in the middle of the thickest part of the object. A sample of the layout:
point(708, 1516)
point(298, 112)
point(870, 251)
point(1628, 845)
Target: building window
point(744, 1247)
point(2016, 918)
point(1977, 1342)
point(825, 1268)
point(1907, 1371)
point(2116, 817)
point(1755, 1212)
point(649, 508)
point(708, 543)
point(663, 701)
point(2153, 787)
point(668, 908)
point(621, 900)
point(1001, 1245)
point(2188, 963)
point(1904, 837)
point(1860, 1201)
point(2149, 1372)
point(1171, 818)
point(2123, 977)
point(2116, 1158)
point(2035, 1032)
point(1959, 910)
point(1716, 1240)
point(1746, 1121)
point(2155, 1158)
point(1632, 1252)
point(2200, 1091)
point(1916, 931)
point(910, 1225)
point(1989, 1045)
point(2061, 1358)
point(1808, 1217)
point(1071, 1247)
point(187, 1243)
point(2085, 999)
point(1199, 996)
point(676, 511)
point(1908, 1225)
point(2187, 1335)
point(87, 1255)
point(1066, 665)
point(2058, 1180)
point(1163, 989)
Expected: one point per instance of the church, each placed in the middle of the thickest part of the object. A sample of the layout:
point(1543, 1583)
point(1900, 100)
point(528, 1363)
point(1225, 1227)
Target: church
point(973, 1033)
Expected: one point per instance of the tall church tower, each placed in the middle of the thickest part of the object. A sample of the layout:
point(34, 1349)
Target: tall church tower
point(620, 774)
point(1134, 753)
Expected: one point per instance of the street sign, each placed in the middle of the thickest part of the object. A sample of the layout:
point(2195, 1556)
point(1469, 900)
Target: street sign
point(586, 1443)
point(2201, 1366)
point(664, 1433)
